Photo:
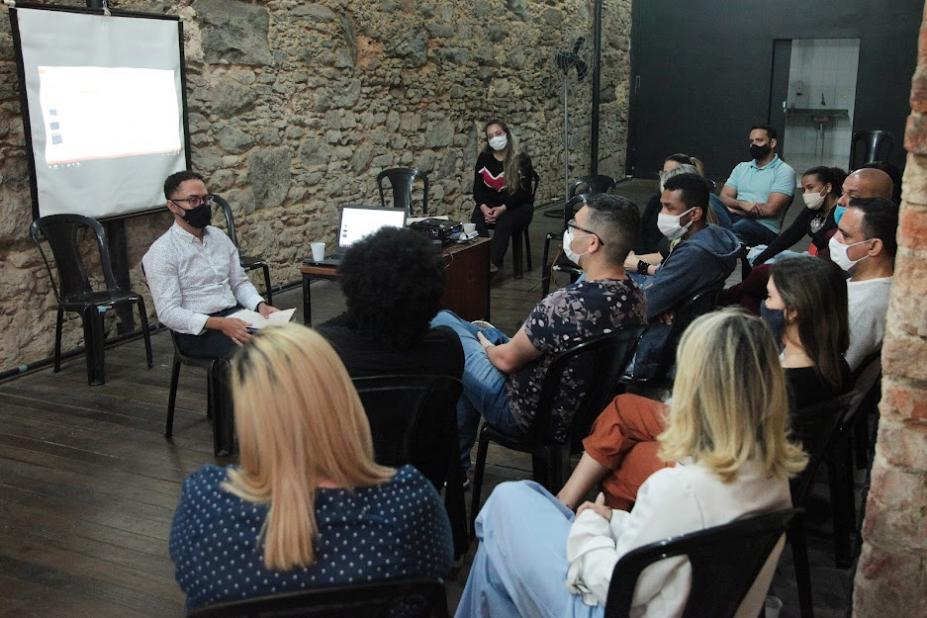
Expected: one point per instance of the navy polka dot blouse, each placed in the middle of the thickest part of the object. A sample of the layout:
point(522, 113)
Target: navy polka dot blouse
point(395, 530)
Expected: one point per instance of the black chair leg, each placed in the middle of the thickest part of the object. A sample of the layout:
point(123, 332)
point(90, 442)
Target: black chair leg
point(58, 324)
point(143, 317)
point(527, 243)
point(223, 433)
point(516, 255)
point(796, 537)
point(540, 468)
point(456, 505)
point(93, 344)
point(172, 397)
point(480, 468)
point(268, 292)
point(840, 481)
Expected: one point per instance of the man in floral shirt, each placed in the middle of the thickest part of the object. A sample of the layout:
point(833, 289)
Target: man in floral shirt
point(503, 377)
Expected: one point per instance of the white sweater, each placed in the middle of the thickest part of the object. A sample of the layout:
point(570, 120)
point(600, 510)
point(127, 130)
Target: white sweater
point(673, 501)
point(868, 304)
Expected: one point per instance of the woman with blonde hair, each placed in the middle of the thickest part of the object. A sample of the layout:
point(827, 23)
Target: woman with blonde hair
point(307, 507)
point(727, 433)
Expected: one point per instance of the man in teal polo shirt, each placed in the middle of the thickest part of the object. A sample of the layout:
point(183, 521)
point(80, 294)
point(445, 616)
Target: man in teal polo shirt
point(759, 190)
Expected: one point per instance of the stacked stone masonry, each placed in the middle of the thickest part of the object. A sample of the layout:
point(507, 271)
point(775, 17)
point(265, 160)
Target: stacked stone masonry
point(891, 579)
point(294, 107)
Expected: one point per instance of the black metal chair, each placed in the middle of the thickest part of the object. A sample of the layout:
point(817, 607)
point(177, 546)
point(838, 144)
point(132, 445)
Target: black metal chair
point(521, 241)
point(870, 146)
point(223, 425)
point(413, 420)
point(247, 262)
point(404, 598)
point(223, 430)
point(598, 183)
point(818, 429)
point(726, 561)
point(600, 362)
point(561, 264)
point(74, 291)
point(401, 179)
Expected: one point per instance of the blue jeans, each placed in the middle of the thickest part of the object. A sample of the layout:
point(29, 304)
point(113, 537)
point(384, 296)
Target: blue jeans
point(752, 232)
point(484, 391)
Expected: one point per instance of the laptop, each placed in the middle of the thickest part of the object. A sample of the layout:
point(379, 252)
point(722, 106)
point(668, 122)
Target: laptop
point(356, 223)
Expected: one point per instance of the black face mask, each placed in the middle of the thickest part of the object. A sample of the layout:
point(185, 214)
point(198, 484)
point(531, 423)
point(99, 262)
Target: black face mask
point(199, 217)
point(775, 320)
point(758, 152)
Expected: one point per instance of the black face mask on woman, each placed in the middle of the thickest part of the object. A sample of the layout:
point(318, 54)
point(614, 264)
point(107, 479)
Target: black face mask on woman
point(775, 320)
point(758, 152)
point(200, 216)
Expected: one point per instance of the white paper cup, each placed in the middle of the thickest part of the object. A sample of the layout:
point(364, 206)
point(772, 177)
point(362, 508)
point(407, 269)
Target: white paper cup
point(772, 607)
point(469, 228)
point(318, 251)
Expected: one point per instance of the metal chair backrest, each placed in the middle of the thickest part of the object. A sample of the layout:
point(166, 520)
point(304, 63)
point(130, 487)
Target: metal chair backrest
point(591, 184)
point(535, 182)
point(412, 419)
point(229, 219)
point(596, 364)
point(62, 233)
point(573, 204)
point(870, 146)
point(409, 598)
point(817, 427)
point(401, 179)
point(726, 561)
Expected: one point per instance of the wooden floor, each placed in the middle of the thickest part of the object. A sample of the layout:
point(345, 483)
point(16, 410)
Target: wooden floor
point(88, 484)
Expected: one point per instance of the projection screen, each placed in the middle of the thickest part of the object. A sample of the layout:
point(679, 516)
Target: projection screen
point(103, 108)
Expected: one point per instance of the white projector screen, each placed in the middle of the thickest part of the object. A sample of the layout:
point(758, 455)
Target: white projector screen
point(103, 108)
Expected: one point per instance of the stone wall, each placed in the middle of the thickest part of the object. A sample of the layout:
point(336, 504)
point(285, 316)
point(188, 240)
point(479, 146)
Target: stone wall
point(295, 107)
point(891, 578)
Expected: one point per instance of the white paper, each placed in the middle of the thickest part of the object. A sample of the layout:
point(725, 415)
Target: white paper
point(256, 320)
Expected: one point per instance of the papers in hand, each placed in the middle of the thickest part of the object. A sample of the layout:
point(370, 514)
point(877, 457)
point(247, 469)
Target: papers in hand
point(256, 320)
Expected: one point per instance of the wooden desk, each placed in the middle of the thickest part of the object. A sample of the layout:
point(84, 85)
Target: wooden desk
point(466, 291)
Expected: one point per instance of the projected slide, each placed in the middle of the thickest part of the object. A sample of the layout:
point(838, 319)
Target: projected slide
point(107, 113)
point(105, 97)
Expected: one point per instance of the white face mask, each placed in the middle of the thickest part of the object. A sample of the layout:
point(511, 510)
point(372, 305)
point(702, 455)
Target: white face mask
point(568, 246)
point(499, 142)
point(813, 200)
point(669, 225)
point(838, 253)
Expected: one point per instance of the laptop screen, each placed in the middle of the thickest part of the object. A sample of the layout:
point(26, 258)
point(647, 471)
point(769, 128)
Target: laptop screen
point(358, 223)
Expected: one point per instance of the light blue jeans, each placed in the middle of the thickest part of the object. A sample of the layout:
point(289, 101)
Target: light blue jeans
point(520, 567)
point(484, 393)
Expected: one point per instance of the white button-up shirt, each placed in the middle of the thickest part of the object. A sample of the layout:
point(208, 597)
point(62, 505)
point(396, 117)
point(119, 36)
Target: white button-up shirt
point(191, 278)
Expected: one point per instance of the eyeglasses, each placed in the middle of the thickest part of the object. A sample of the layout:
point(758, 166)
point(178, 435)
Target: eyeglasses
point(196, 200)
point(572, 223)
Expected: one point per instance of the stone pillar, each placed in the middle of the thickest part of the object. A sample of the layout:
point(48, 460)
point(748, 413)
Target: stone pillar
point(891, 579)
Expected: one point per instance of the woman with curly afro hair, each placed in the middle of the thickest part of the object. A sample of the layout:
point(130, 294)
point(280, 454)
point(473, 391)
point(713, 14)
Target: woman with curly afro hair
point(393, 281)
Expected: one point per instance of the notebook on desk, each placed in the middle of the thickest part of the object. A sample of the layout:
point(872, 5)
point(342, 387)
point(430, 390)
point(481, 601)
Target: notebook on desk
point(356, 223)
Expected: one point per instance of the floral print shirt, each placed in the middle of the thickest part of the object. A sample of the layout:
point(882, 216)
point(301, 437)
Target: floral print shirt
point(564, 319)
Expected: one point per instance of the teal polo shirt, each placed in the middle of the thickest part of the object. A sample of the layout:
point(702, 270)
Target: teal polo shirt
point(754, 183)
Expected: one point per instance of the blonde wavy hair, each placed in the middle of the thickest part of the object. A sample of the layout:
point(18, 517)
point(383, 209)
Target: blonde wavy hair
point(730, 402)
point(300, 423)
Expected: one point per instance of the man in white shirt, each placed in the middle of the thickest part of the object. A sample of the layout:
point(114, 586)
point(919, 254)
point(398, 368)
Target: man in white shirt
point(196, 280)
point(865, 246)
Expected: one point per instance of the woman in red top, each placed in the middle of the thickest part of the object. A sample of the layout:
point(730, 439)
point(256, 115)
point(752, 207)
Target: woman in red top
point(501, 189)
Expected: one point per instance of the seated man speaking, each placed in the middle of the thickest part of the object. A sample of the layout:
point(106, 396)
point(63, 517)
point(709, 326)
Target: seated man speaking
point(196, 280)
point(502, 380)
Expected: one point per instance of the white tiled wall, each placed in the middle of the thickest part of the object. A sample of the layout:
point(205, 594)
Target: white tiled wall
point(821, 67)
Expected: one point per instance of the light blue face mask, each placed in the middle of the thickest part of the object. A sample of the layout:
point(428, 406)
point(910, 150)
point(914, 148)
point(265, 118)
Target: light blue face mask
point(838, 213)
